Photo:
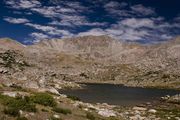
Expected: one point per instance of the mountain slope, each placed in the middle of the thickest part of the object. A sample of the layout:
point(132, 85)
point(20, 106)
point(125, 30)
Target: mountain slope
point(7, 44)
point(99, 59)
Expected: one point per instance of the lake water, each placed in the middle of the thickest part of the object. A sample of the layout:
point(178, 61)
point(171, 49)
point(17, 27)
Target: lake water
point(117, 94)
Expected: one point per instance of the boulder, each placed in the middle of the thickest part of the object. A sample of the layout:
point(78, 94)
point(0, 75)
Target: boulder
point(106, 113)
point(152, 111)
point(139, 108)
point(10, 94)
point(56, 116)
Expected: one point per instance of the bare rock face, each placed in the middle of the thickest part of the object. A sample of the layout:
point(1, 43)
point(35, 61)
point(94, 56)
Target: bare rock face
point(91, 59)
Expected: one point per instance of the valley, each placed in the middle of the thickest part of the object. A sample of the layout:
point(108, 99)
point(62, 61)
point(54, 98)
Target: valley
point(52, 65)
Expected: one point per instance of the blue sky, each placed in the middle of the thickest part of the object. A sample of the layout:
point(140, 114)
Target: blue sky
point(144, 21)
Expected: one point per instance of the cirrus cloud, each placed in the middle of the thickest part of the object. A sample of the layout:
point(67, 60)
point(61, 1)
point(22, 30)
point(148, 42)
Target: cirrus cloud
point(23, 4)
point(16, 20)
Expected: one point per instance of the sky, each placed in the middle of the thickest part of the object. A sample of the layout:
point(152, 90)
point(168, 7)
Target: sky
point(143, 21)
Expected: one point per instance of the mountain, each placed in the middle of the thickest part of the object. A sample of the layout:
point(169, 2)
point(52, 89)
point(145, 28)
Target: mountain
point(7, 44)
point(94, 59)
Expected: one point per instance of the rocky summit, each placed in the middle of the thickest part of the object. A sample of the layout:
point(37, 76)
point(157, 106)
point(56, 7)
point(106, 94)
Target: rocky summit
point(99, 59)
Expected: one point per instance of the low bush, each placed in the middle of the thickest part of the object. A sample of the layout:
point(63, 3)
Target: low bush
point(11, 111)
point(44, 99)
point(13, 105)
point(62, 110)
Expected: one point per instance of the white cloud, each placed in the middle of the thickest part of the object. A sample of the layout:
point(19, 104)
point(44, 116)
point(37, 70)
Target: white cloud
point(65, 13)
point(114, 32)
point(70, 23)
point(46, 11)
point(114, 4)
point(77, 6)
point(53, 11)
point(136, 29)
point(50, 30)
point(133, 35)
point(131, 24)
point(23, 4)
point(41, 27)
point(38, 36)
point(94, 32)
point(142, 10)
point(116, 9)
point(16, 20)
point(69, 16)
point(137, 23)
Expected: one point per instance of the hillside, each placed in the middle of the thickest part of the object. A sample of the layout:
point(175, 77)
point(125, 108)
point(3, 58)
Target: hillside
point(93, 59)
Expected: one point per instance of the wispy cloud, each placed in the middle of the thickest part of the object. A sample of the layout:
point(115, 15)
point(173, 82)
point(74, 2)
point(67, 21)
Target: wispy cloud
point(50, 30)
point(136, 29)
point(94, 32)
point(142, 10)
point(38, 36)
point(117, 9)
point(16, 20)
point(69, 13)
point(23, 4)
point(137, 23)
point(120, 20)
point(53, 11)
point(115, 4)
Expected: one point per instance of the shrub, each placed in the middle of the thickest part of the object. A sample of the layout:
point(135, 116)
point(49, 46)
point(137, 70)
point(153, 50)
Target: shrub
point(62, 110)
point(11, 111)
point(21, 118)
point(73, 98)
point(21, 104)
point(9, 58)
point(90, 116)
point(18, 103)
point(44, 99)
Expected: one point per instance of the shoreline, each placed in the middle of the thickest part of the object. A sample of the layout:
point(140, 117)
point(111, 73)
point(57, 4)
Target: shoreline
point(127, 85)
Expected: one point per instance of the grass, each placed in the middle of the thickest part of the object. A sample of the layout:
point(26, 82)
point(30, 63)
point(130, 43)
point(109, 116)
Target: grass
point(44, 99)
point(73, 98)
point(62, 110)
point(164, 113)
point(13, 105)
